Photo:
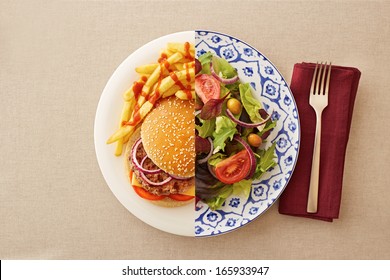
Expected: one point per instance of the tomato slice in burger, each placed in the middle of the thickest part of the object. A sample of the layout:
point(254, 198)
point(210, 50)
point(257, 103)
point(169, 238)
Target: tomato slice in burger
point(234, 168)
point(147, 195)
point(207, 87)
point(181, 197)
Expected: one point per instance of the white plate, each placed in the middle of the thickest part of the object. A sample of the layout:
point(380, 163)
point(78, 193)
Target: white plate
point(173, 220)
point(271, 89)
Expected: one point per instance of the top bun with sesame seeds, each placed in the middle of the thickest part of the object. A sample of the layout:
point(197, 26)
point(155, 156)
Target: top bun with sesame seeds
point(168, 136)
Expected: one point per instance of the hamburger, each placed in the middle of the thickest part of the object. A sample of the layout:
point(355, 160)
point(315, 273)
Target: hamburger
point(160, 155)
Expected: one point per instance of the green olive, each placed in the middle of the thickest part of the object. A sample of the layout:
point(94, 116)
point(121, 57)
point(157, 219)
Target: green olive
point(234, 106)
point(254, 140)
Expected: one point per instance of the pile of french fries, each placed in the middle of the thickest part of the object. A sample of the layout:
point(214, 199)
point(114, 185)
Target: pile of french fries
point(174, 69)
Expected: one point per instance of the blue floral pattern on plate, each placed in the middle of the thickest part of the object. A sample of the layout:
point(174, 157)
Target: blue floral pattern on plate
point(272, 90)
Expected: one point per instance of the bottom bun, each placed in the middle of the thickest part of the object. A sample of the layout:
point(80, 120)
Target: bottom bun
point(165, 202)
point(168, 202)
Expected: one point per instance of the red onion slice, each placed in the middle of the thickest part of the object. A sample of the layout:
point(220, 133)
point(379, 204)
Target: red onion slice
point(143, 160)
point(203, 160)
point(178, 177)
point(244, 124)
point(167, 180)
point(137, 164)
point(211, 170)
point(250, 153)
point(222, 80)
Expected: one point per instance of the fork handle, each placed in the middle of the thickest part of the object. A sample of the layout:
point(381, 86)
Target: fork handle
point(312, 203)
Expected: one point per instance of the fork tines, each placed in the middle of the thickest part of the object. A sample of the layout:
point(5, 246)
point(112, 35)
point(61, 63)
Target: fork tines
point(318, 83)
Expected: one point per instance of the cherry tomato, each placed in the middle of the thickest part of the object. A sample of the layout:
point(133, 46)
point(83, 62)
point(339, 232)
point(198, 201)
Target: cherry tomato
point(147, 195)
point(234, 168)
point(181, 197)
point(207, 87)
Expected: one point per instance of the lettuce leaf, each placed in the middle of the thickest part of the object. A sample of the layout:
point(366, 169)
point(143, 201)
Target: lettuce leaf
point(265, 162)
point(225, 129)
point(223, 68)
point(243, 188)
point(216, 158)
point(205, 60)
point(251, 104)
point(268, 126)
point(233, 88)
point(217, 201)
point(206, 129)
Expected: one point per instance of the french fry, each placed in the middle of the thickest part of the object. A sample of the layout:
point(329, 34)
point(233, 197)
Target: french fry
point(154, 77)
point(188, 65)
point(183, 94)
point(156, 73)
point(129, 95)
point(127, 108)
point(181, 47)
point(146, 69)
point(120, 133)
point(119, 147)
point(185, 60)
point(141, 114)
point(171, 91)
point(166, 52)
point(178, 66)
point(168, 82)
point(174, 74)
point(126, 138)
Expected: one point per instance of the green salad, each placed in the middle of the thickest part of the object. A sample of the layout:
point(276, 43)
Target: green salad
point(231, 129)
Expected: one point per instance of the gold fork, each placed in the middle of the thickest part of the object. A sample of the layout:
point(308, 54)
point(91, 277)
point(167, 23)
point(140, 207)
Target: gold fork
point(318, 101)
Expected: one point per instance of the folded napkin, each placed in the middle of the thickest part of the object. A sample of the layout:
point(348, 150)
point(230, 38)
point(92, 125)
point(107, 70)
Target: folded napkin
point(336, 123)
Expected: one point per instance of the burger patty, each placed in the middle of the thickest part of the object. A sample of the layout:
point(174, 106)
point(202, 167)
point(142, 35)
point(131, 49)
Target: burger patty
point(172, 187)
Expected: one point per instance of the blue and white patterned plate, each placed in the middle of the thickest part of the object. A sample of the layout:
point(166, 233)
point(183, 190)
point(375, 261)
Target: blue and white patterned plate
point(272, 90)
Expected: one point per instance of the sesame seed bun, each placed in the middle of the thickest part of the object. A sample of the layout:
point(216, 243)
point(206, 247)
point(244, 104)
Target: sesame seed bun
point(167, 202)
point(168, 136)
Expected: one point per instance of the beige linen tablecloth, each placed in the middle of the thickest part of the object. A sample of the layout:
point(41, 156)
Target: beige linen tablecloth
point(55, 59)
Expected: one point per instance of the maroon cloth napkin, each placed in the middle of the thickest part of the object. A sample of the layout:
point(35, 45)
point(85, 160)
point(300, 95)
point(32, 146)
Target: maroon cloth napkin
point(336, 123)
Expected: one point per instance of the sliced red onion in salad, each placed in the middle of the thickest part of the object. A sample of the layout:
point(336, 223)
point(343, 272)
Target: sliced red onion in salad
point(212, 171)
point(244, 124)
point(250, 153)
point(203, 160)
point(223, 80)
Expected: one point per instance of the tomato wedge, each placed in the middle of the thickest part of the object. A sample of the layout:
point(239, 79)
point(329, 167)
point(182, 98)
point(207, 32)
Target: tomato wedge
point(147, 195)
point(207, 87)
point(181, 197)
point(234, 168)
